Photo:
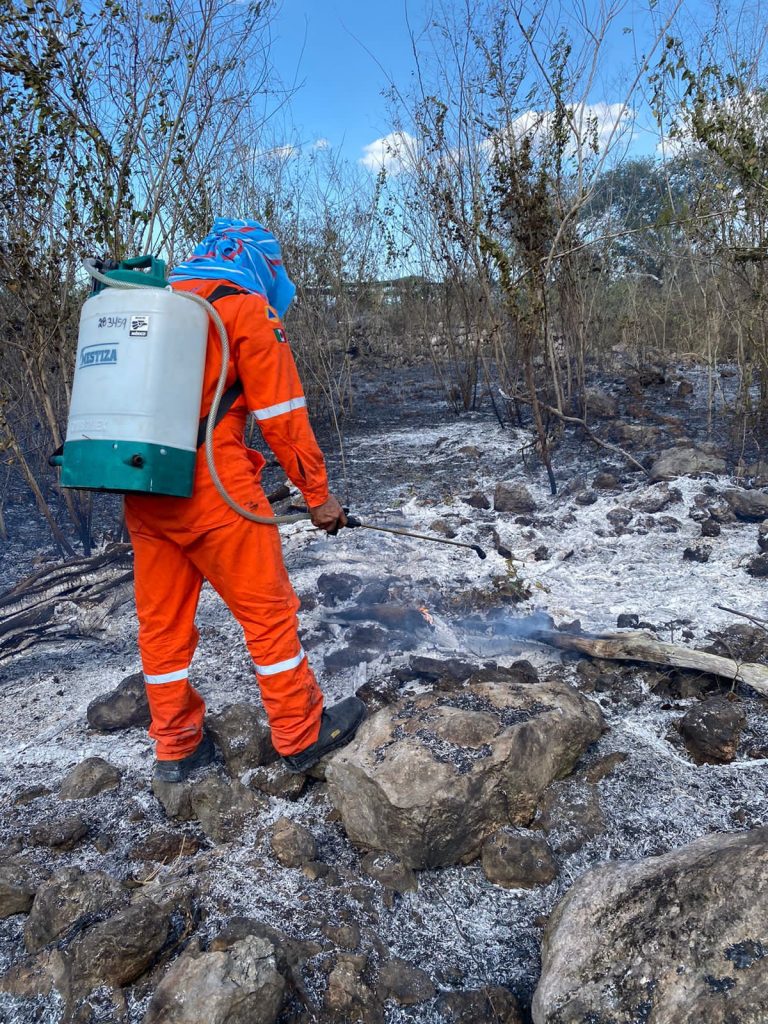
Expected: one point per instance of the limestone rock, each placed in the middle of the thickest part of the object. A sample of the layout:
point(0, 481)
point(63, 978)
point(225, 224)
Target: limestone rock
point(513, 497)
point(18, 884)
point(600, 404)
point(444, 528)
point(292, 844)
point(606, 482)
point(390, 871)
point(518, 861)
point(61, 833)
point(751, 506)
point(758, 566)
point(477, 500)
point(620, 518)
point(241, 732)
point(119, 950)
point(405, 983)
point(165, 847)
point(347, 936)
point(108, 954)
point(349, 998)
point(89, 778)
point(223, 807)
point(68, 896)
point(685, 461)
point(634, 435)
point(239, 985)
point(429, 778)
point(175, 798)
point(676, 939)
point(711, 528)
point(291, 955)
point(697, 553)
point(570, 815)
point(276, 780)
point(657, 499)
point(125, 707)
point(712, 730)
point(762, 536)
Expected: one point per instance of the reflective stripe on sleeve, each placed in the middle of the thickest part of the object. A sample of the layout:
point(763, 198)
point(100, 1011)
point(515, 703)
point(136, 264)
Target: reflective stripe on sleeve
point(167, 677)
point(281, 666)
point(280, 408)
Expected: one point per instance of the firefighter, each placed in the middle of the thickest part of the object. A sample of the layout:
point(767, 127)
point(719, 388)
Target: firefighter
point(179, 542)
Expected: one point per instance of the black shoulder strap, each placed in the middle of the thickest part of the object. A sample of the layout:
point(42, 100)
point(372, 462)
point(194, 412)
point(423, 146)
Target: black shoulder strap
point(233, 392)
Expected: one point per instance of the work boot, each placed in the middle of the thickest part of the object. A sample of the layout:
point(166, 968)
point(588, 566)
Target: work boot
point(337, 727)
point(181, 769)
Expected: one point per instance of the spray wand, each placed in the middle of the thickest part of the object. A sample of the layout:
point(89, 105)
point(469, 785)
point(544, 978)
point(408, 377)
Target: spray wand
point(353, 523)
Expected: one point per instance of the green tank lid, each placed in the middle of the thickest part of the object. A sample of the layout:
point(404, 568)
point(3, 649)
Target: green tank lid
point(148, 271)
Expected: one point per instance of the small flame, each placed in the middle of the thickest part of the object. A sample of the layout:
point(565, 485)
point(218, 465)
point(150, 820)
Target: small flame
point(426, 616)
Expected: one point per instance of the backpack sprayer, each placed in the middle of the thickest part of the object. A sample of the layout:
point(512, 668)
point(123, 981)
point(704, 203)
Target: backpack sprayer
point(127, 431)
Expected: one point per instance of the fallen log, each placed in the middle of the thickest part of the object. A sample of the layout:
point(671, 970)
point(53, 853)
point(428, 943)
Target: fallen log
point(641, 647)
point(70, 600)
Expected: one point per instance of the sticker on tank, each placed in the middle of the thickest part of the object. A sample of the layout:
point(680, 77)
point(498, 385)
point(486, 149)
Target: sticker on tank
point(139, 327)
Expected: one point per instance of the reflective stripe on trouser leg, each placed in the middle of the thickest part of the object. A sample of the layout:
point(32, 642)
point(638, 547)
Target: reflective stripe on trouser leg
point(281, 666)
point(167, 677)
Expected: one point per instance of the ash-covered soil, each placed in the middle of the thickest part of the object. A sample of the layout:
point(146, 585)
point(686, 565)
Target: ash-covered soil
point(410, 463)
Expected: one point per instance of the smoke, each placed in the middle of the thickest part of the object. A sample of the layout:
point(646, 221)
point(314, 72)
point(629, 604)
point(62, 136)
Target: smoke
point(500, 623)
point(499, 633)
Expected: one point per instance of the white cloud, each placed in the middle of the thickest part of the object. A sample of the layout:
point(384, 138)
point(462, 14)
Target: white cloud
point(321, 144)
point(587, 125)
point(395, 152)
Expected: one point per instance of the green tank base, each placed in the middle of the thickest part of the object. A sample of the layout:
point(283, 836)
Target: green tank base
point(127, 467)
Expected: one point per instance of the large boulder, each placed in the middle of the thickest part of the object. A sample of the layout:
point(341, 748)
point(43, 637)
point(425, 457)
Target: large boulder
point(686, 460)
point(430, 778)
point(676, 939)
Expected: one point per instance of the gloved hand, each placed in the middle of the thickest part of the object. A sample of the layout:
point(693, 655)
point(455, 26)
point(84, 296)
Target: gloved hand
point(329, 516)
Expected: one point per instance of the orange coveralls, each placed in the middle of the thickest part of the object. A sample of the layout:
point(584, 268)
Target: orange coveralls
point(178, 542)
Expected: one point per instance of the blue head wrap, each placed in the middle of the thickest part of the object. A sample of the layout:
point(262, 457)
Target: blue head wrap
point(245, 253)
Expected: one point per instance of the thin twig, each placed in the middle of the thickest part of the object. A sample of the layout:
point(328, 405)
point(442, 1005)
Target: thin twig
point(762, 623)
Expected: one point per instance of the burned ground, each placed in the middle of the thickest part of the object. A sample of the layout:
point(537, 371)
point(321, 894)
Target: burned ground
point(409, 462)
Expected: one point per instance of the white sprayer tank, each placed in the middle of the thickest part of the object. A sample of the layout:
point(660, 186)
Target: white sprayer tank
point(135, 407)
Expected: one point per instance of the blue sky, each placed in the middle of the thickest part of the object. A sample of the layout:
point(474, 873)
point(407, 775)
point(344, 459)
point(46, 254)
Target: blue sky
point(339, 54)
point(332, 49)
